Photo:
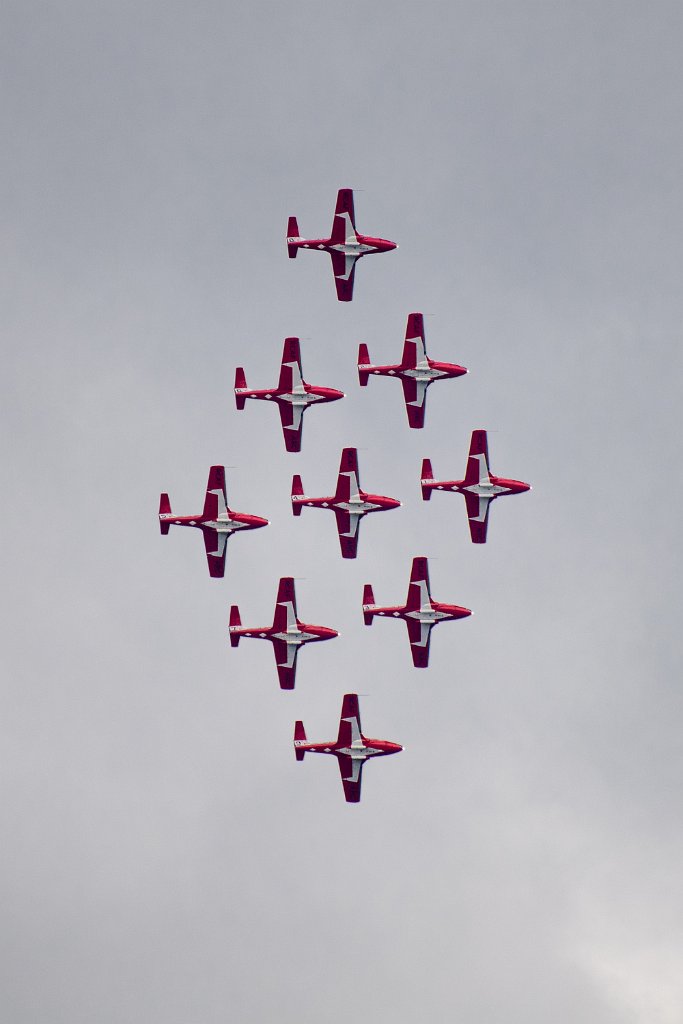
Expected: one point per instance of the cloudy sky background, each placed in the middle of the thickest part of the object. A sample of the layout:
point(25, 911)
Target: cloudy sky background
point(164, 858)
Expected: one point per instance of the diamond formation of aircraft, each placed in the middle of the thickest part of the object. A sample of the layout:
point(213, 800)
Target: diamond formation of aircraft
point(292, 394)
point(479, 488)
point(420, 612)
point(349, 503)
point(217, 522)
point(345, 245)
point(416, 370)
point(287, 634)
point(352, 749)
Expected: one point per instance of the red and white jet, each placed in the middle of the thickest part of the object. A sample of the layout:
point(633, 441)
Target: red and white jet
point(420, 612)
point(349, 503)
point(287, 634)
point(345, 245)
point(479, 488)
point(352, 748)
point(292, 394)
point(217, 522)
point(416, 370)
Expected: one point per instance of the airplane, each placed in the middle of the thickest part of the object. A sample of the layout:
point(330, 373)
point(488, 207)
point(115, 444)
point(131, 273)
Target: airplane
point(292, 394)
point(479, 488)
point(349, 503)
point(416, 370)
point(345, 245)
point(287, 634)
point(352, 749)
point(217, 522)
point(420, 612)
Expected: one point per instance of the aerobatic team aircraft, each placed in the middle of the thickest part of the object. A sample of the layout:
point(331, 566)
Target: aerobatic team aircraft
point(345, 245)
point(292, 394)
point(479, 488)
point(217, 522)
point(349, 503)
point(352, 749)
point(416, 370)
point(287, 634)
point(420, 612)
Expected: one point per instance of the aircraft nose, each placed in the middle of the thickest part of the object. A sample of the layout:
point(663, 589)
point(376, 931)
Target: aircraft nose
point(259, 521)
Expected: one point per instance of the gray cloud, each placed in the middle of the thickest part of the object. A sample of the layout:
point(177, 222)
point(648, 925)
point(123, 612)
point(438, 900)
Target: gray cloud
point(164, 857)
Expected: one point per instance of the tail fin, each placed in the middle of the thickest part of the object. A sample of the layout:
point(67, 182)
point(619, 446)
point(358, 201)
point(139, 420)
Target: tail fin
point(368, 599)
point(297, 492)
point(426, 478)
point(299, 737)
point(164, 509)
point(292, 232)
point(235, 621)
point(240, 382)
point(363, 360)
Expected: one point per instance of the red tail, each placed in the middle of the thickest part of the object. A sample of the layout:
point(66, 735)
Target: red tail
point(426, 474)
point(164, 509)
point(363, 361)
point(240, 382)
point(368, 598)
point(235, 621)
point(292, 232)
point(299, 736)
point(297, 492)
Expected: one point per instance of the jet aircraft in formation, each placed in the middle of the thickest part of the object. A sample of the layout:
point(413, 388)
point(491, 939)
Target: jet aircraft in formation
point(287, 634)
point(416, 370)
point(217, 522)
point(292, 394)
point(420, 612)
point(479, 488)
point(349, 503)
point(345, 245)
point(352, 749)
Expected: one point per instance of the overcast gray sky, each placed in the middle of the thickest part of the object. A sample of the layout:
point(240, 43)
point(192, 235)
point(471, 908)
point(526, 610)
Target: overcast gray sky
point(164, 858)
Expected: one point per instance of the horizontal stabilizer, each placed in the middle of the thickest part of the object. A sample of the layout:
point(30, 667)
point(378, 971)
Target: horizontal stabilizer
point(297, 492)
point(300, 736)
point(240, 382)
point(368, 599)
point(164, 509)
point(236, 622)
point(363, 361)
point(292, 232)
point(426, 475)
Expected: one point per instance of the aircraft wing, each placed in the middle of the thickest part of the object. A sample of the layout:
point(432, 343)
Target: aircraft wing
point(344, 223)
point(216, 500)
point(419, 593)
point(351, 771)
point(292, 419)
point(347, 528)
point(414, 349)
point(215, 544)
point(477, 516)
point(477, 470)
point(348, 483)
point(290, 368)
point(285, 605)
point(418, 633)
point(285, 660)
point(415, 395)
point(344, 269)
point(349, 721)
